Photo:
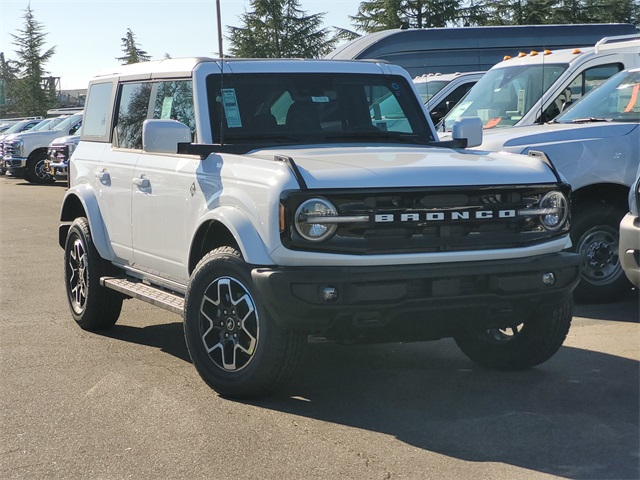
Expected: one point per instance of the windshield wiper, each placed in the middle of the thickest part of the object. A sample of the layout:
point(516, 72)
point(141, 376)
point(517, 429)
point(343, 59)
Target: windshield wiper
point(261, 137)
point(376, 136)
point(591, 120)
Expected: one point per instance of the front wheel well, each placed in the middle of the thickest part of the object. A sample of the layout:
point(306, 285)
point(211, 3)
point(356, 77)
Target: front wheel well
point(209, 237)
point(71, 209)
point(38, 153)
point(611, 194)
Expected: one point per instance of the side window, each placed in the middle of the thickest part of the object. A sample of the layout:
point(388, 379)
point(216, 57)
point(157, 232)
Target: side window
point(449, 102)
point(73, 130)
point(584, 82)
point(132, 112)
point(174, 100)
point(97, 110)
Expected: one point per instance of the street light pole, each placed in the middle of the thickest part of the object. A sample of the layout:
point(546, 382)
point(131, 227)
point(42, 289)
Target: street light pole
point(219, 29)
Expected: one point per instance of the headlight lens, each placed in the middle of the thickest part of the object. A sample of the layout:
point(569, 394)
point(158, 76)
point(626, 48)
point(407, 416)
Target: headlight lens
point(312, 219)
point(18, 146)
point(554, 210)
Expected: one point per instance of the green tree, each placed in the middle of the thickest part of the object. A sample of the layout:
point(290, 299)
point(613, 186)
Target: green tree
point(8, 77)
point(376, 15)
point(530, 12)
point(132, 52)
point(613, 11)
point(31, 95)
point(279, 29)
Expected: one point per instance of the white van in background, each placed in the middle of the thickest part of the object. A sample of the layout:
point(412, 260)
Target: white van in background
point(533, 88)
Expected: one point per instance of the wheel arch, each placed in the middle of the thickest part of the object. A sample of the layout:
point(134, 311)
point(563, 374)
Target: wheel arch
point(37, 152)
point(81, 202)
point(613, 194)
point(228, 227)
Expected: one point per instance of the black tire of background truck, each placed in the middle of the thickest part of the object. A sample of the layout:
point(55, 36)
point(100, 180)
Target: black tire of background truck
point(36, 171)
point(237, 349)
point(595, 235)
point(92, 306)
point(524, 346)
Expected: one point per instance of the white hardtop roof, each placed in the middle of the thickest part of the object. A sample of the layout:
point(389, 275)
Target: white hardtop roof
point(181, 67)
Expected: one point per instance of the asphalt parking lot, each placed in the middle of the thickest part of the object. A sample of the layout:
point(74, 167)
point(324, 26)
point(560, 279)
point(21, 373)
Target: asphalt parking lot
point(128, 403)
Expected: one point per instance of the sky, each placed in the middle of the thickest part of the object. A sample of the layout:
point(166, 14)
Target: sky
point(87, 34)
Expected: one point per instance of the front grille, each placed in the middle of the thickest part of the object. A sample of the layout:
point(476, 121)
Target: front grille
point(58, 153)
point(428, 220)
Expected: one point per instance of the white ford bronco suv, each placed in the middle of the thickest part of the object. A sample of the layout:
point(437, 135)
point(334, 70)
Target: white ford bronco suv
point(266, 200)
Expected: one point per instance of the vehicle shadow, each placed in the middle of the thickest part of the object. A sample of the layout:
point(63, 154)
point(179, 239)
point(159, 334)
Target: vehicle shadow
point(576, 416)
point(167, 337)
point(625, 310)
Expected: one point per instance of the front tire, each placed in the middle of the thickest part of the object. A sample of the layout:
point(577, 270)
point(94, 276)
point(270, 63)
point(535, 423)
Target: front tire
point(37, 172)
point(595, 235)
point(236, 347)
point(521, 346)
point(92, 306)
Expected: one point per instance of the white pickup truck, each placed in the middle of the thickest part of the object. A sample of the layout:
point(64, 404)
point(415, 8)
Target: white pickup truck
point(25, 153)
point(533, 88)
point(595, 145)
point(266, 200)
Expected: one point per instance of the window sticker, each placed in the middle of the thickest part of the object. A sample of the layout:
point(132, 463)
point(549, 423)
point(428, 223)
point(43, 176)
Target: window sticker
point(231, 111)
point(320, 99)
point(167, 105)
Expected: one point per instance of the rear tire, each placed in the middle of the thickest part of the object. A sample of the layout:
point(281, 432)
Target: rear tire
point(522, 346)
point(92, 306)
point(236, 347)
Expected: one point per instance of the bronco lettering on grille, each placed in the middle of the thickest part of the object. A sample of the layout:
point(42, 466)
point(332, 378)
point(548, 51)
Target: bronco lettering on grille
point(441, 216)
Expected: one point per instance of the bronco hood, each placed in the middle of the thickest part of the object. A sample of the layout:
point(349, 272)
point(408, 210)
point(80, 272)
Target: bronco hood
point(349, 166)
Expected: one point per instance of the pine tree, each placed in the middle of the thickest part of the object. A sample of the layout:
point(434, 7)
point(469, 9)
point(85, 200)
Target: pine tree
point(30, 94)
point(132, 52)
point(8, 77)
point(279, 29)
point(376, 15)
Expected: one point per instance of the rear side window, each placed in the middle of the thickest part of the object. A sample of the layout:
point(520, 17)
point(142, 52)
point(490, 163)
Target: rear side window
point(132, 112)
point(97, 111)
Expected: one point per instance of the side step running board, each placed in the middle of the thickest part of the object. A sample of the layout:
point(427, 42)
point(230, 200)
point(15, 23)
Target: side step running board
point(153, 295)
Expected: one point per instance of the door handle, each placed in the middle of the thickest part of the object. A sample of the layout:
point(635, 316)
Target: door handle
point(103, 176)
point(142, 182)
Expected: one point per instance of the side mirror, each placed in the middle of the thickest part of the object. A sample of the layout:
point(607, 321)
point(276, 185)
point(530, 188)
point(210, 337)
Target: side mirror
point(163, 136)
point(469, 128)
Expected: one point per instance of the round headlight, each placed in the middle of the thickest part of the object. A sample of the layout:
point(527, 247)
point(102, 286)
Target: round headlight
point(313, 219)
point(554, 210)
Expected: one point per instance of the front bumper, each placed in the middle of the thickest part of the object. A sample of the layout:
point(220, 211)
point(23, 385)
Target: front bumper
point(415, 302)
point(629, 249)
point(15, 162)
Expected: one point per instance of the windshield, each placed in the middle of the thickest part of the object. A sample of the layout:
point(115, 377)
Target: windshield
point(18, 127)
point(286, 108)
point(67, 122)
point(429, 89)
point(46, 124)
point(504, 95)
point(617, 100)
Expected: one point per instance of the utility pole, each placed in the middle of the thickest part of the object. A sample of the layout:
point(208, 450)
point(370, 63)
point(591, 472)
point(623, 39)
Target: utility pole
point(219, 29)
